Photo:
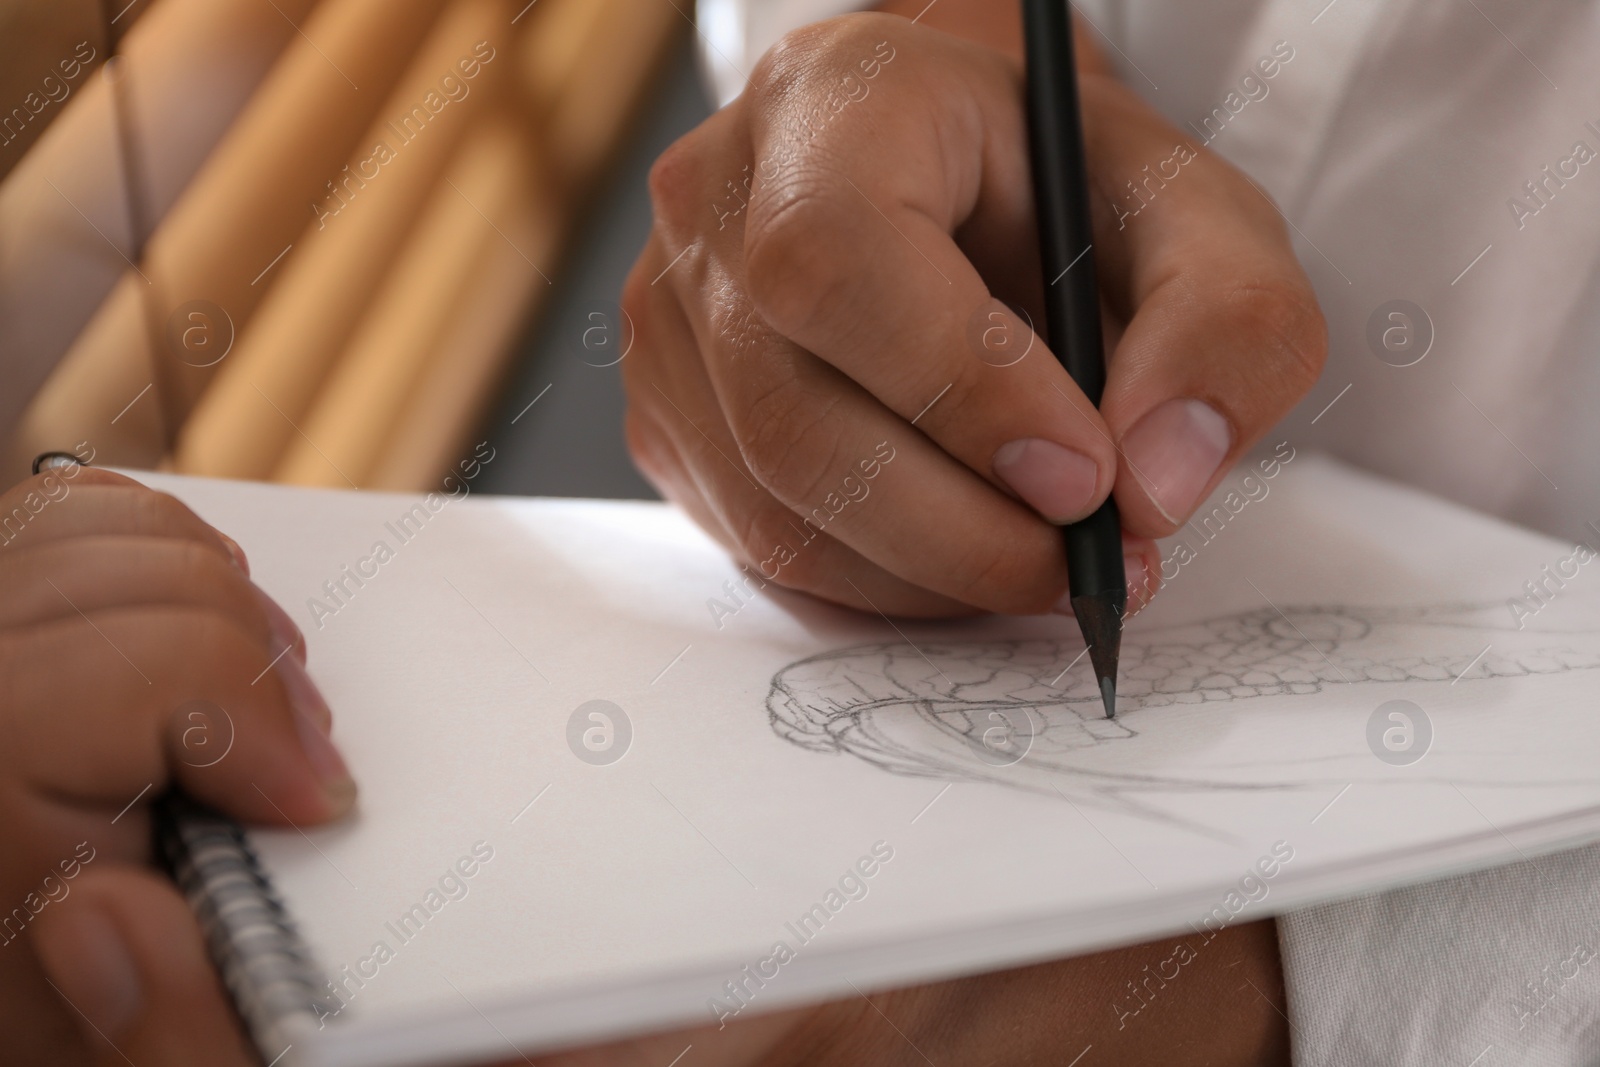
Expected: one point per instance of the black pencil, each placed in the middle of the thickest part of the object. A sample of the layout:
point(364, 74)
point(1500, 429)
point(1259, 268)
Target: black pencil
point(1098, 585)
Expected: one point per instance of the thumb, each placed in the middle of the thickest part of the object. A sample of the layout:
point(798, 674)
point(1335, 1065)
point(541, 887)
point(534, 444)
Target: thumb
point(1223, 335)
point(125, 954)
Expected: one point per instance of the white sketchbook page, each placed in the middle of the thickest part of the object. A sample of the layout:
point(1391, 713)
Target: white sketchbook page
point(627, 895)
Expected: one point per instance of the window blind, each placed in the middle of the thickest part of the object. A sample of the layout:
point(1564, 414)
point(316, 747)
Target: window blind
point(355, 209)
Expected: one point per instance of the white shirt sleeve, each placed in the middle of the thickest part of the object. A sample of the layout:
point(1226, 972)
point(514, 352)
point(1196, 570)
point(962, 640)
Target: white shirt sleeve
point(1488, 969)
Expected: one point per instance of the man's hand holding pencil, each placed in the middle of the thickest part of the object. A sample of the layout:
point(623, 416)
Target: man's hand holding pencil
point(826, 255)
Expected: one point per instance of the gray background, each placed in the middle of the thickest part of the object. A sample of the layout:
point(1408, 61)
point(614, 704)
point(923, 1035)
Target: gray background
point(570, 442)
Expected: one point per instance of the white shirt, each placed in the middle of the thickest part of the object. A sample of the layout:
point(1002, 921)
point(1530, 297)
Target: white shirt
point(1445, 153)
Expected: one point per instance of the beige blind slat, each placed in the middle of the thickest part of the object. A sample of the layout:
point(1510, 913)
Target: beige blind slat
point(409, 323)
point(622, 50)
point(561, 43)
point(57, 265)
point(47, 52)
point(263, 390)
point(432, 433)
point(251, 200)
point(366, 354)
point(585, 68)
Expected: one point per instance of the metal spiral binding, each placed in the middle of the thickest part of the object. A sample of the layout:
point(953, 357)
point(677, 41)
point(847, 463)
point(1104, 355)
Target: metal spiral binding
point(263, 961)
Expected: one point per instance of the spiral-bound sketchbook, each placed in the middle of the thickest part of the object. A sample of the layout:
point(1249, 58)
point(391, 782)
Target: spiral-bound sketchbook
point(613, 783)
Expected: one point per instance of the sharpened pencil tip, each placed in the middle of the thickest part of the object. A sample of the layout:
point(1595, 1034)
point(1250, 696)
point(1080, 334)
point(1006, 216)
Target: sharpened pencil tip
point(1100, 619)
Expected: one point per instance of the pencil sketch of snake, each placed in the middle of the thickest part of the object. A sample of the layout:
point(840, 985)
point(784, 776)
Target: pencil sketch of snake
point(954, 710)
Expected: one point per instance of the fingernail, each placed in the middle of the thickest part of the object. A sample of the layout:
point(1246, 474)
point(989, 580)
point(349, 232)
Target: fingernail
point(284, 632)
point(1056, 482)
point(312, 720)
point(92, 961)
point(235, 551)
point(1174, 451)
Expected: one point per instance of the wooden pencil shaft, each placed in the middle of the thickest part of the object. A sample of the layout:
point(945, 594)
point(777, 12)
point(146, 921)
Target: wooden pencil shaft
point(1066, 251)
point(1061, 196)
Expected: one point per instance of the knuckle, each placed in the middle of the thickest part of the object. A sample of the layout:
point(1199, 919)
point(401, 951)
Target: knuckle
point(636, 309)
point(220, 654)
point(201, 567)
point(804, 572)
point(794, 269)
point(217, 581)
point(165, 511)
point(675, 181)
point(644, 445)
point(636, 297)
point(790, 65)
point(788, 441)
point(766, 542)
point(797, 55)
point(636, 382)
point(802, 212)
point(652, 344)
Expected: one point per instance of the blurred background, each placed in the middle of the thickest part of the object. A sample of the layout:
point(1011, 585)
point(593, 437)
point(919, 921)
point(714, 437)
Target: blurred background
point(330, 242)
